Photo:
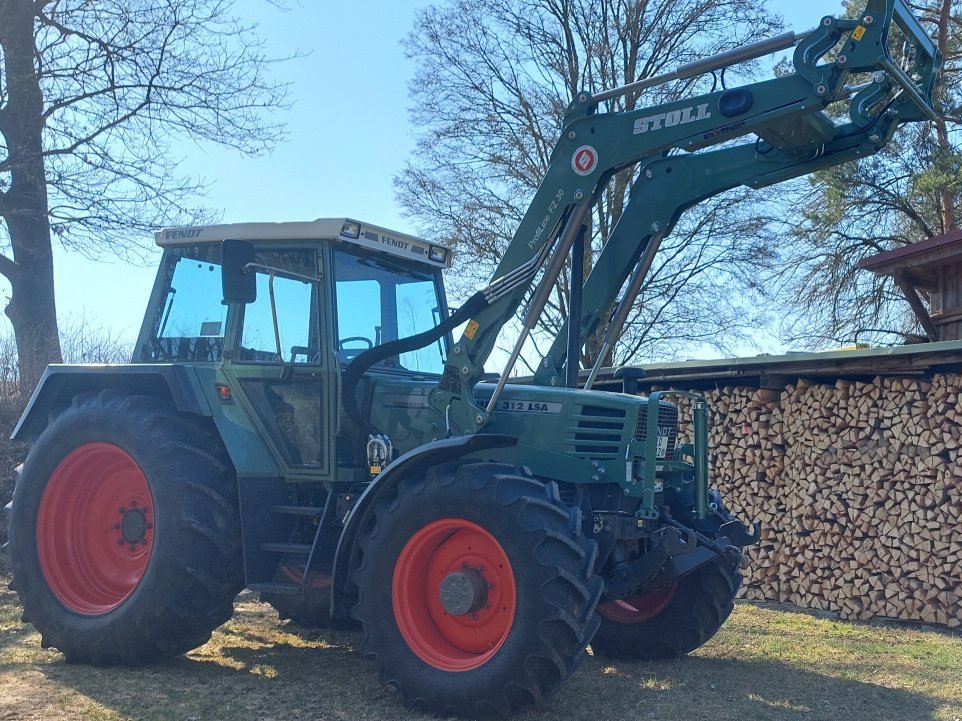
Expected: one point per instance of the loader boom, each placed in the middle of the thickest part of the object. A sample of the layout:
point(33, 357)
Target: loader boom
point(785, 112)
point(663, 190)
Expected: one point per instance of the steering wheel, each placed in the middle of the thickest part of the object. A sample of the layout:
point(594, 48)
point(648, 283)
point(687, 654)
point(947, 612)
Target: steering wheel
point(352, 353)
point(352, 339)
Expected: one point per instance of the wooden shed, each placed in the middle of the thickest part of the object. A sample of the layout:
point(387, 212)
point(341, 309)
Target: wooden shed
point(932, 268)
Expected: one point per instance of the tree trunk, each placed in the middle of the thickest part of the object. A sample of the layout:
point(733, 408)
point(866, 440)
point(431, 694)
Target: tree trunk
point(24, 206)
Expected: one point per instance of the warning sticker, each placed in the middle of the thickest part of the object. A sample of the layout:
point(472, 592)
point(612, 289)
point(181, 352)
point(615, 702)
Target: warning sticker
point(858, 32)
point(471, 329)
point(584, 160)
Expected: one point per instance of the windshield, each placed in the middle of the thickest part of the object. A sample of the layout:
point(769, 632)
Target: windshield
point(379, 301)
point(189, 321)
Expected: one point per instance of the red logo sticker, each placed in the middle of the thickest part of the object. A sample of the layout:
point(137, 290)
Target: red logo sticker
point(584, 160)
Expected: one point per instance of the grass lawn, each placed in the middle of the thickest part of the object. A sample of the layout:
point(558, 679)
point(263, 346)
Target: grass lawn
point(765, 664)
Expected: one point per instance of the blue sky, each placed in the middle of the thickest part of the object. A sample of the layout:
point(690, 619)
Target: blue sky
point(349, 134)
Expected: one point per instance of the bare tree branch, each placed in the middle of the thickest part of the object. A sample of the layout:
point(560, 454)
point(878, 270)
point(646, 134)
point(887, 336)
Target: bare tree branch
point(489, 94)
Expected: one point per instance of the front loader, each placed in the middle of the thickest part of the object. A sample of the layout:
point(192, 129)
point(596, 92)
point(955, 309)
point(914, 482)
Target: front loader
point(298, 419)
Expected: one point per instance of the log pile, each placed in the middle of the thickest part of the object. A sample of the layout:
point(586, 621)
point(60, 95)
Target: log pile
point(858, 488)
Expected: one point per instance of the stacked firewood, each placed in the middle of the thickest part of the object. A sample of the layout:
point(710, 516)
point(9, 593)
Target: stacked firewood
point(858, 487)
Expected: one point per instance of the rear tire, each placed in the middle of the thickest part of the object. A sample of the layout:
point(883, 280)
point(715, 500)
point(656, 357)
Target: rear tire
point(531, 614)
point(670, 622)
point(125, 540)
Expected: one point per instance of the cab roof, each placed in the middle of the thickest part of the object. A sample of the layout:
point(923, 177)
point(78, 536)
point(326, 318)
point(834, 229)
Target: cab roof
point(342, 230)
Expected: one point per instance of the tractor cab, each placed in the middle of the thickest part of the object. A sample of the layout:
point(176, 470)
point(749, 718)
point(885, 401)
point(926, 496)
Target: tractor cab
point(366, 284)
point(317, 294)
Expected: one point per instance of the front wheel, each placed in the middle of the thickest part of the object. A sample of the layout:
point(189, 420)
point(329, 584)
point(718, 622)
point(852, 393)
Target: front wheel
point(670, 621)
point(124, 535)
point(476, 590)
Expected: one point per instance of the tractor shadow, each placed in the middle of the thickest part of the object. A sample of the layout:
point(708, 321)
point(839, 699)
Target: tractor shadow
point(320, 675)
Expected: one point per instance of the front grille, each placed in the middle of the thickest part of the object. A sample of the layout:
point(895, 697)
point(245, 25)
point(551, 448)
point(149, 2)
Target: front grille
point(597, 432)
point(667, 426)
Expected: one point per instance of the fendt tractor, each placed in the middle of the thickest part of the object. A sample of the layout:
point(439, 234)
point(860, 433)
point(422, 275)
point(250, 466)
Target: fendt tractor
point(298, 419)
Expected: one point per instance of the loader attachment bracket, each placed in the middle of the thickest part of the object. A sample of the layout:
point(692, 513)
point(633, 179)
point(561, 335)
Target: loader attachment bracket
point(736, 533)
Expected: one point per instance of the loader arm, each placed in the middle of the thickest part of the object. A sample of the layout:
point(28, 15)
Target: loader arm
point(664, 189)
point(786, 111)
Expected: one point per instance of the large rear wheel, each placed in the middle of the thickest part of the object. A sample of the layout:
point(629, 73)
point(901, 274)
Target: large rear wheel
point(124, 534)
point(476, 590)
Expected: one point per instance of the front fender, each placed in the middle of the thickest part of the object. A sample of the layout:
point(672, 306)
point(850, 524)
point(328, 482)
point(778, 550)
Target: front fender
point(413, 462)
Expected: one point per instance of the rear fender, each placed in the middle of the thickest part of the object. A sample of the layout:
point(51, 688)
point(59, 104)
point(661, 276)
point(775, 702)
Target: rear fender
point(412, 463)
point(60, 383)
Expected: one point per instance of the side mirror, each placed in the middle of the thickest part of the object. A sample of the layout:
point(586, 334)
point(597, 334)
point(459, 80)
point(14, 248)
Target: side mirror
point(239, 281)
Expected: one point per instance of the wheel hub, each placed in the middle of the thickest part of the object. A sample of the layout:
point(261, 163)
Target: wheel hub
point(463, 591)
point(133, 525)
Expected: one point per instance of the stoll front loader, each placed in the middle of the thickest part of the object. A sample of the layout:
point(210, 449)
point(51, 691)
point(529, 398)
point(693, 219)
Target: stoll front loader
point(298, 420)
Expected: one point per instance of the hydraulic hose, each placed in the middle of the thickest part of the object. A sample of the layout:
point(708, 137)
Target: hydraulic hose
point(360, 365)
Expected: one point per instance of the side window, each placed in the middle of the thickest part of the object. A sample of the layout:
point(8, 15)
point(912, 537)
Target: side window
point(190, 320)
point(294, 307)
point(194, 309)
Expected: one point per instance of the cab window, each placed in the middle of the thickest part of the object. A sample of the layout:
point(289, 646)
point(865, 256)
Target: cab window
point(190, 319)
point(378, 301)
point(295, 306)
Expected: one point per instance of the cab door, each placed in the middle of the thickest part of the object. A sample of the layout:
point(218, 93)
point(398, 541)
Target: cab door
point(281, 362)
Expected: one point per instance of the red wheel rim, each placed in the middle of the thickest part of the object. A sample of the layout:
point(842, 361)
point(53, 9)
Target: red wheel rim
point(638, 609)
point(443, 640)
point(95, 528)
point(315, 579)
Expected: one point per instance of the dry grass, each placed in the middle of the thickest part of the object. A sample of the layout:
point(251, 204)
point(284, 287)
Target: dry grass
point(764, 665)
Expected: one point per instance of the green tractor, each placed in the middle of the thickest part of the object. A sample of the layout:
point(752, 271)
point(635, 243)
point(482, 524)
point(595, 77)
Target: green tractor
point(299, 420)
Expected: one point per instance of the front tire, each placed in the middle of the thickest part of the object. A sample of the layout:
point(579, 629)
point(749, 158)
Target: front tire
point(125, 540)
point(476, 590)
point(668, 622)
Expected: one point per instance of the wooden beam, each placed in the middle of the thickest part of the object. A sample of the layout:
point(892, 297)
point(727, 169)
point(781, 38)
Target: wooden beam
point(918, 307)
point(920, 280)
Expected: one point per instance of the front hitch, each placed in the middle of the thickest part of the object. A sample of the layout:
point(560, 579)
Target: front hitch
point(667, 545)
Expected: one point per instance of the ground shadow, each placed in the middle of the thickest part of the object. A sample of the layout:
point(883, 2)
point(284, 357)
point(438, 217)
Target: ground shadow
point(286, 681)
point(257, 668)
